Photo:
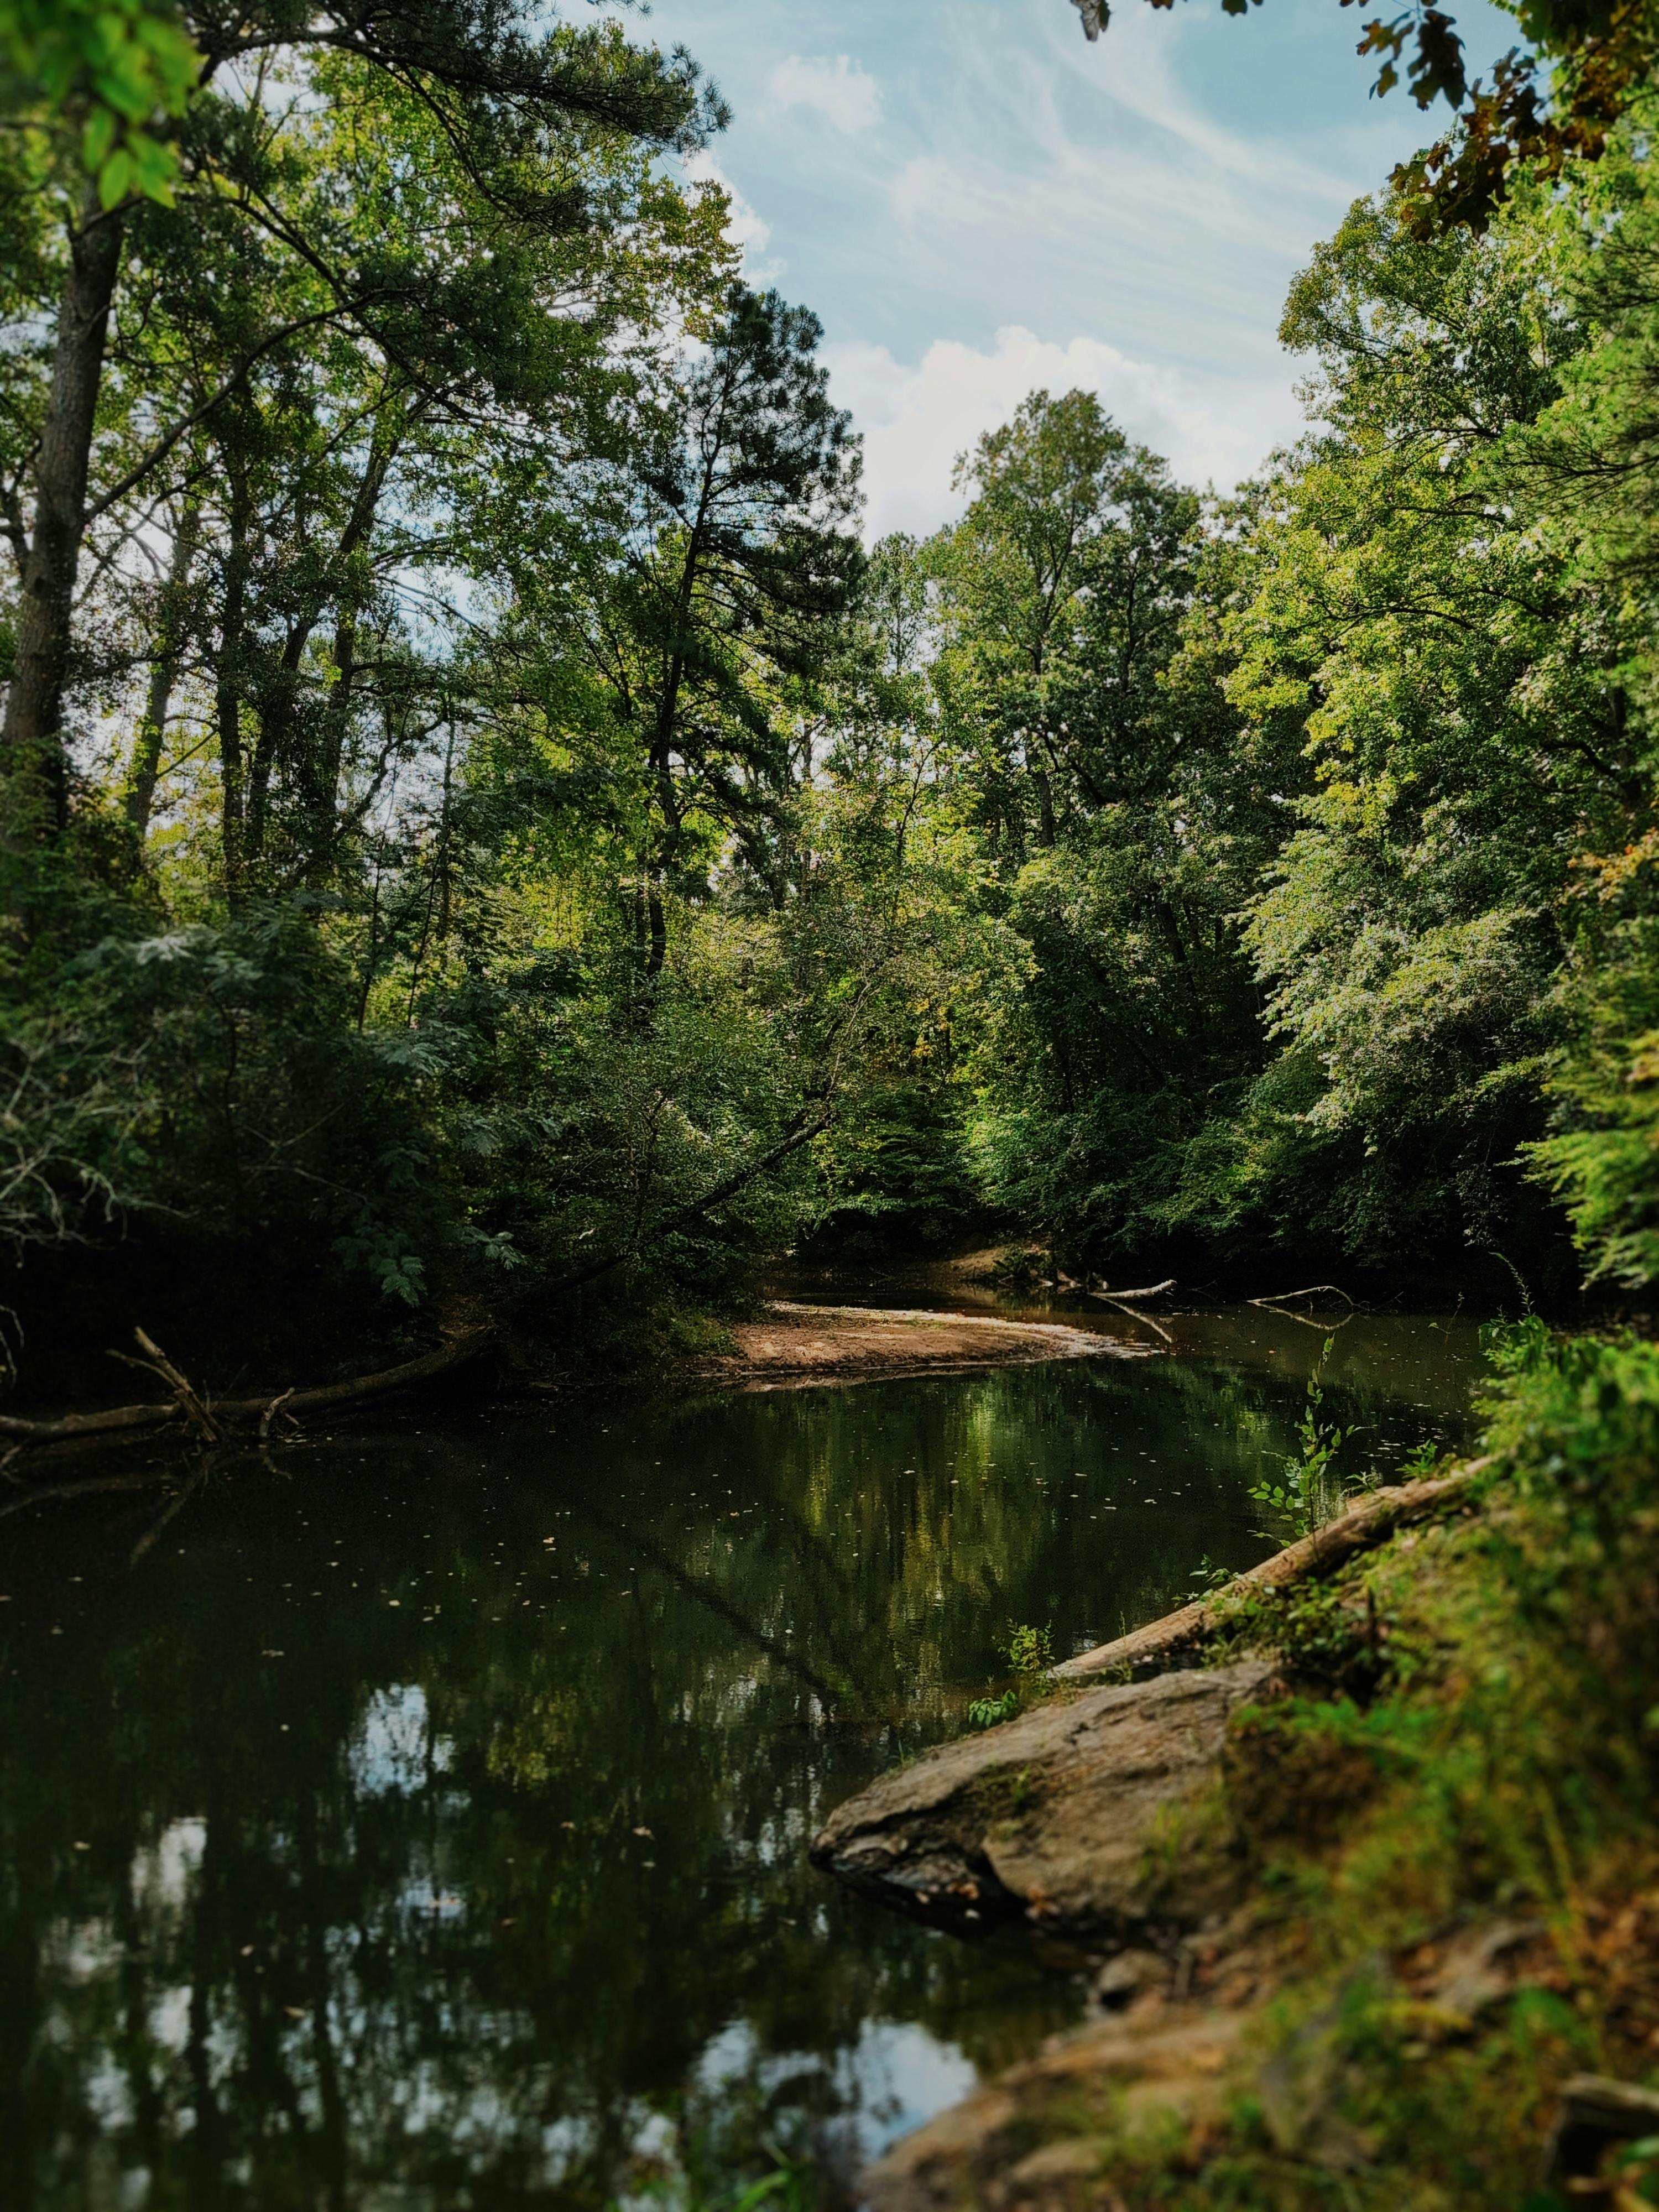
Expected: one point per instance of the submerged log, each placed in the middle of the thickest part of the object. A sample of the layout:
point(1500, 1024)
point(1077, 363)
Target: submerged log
point(1371, 1521)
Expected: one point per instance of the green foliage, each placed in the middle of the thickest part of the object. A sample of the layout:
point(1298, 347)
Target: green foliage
point(988, 1712)
point(1030, 1653)
point(1030, 1649)
point(1308, 1493)
point(1171, 882)
point(116, 68)
point(1293, 939)
point(1470, 1747)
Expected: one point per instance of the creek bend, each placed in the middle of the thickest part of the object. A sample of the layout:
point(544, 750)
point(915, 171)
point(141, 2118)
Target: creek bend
point(422, 1820)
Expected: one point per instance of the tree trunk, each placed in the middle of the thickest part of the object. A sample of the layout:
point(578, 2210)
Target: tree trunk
point(1367, 1520)
point(32, 742)
point(657, 955)
point(164, 674)
point(326, 758)
point(233, 769)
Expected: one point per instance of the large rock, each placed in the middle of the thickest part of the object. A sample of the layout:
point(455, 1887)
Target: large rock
point(1101, 1817)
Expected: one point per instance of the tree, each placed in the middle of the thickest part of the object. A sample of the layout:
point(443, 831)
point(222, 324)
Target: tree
point(1602, 52)
point(503, 100)
point(719, 564)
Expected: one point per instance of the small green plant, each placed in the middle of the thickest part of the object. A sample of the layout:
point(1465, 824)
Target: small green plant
point(986, 1713)
point(1030, 1652)
point(1307, 1494)
point(1211, 1576)
point(1420, 1464)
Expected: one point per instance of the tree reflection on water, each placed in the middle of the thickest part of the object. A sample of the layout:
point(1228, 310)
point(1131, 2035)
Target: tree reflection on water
point(423, 1824)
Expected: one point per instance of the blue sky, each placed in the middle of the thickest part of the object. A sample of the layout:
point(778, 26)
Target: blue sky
point(976, 200)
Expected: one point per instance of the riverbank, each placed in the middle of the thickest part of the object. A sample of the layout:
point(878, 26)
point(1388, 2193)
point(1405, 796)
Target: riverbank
point(1362, 1897)
point(791, 1346)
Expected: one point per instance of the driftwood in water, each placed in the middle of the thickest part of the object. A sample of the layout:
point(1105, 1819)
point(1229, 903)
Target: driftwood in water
point(1120, 1297)
point(118, 1418)
point(1370, 1522)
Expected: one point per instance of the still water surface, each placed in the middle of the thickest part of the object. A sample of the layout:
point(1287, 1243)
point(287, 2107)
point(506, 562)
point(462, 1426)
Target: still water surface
point(421, 1820)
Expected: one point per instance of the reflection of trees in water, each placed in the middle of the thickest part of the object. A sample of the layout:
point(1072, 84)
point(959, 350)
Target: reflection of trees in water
point(414, 1939)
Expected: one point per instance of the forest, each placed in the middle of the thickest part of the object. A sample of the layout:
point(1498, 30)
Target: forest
point(497, 856)
point(484, 834)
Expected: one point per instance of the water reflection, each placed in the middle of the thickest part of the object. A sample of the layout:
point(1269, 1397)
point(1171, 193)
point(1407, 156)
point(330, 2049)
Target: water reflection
point(423, 1824)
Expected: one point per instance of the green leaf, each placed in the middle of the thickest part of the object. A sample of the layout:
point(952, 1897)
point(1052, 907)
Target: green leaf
point(115, 177)
point(98, 138)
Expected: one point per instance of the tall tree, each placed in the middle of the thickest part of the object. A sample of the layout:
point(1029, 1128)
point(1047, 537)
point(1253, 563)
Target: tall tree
point(718, 567)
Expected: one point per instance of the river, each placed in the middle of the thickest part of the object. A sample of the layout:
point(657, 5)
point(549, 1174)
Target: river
point(419, 1820)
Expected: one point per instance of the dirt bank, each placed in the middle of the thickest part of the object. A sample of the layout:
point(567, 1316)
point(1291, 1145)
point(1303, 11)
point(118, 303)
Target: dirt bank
point(799, 1344)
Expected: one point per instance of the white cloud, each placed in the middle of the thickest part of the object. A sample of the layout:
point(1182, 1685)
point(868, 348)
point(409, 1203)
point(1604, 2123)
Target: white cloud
point(840, 89)
point(916, 419)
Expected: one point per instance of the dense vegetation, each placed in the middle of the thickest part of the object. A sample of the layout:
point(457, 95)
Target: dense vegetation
point(477, 821)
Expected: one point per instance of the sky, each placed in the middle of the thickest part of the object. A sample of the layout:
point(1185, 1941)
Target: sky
point(976, 200)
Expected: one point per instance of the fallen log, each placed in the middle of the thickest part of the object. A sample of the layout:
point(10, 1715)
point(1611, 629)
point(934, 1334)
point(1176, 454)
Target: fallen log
point(1373, 1519)
point(115, 1420)
point(453, 1354)
point(87, 1425)
point(1150, 1290)
point(456, 1353)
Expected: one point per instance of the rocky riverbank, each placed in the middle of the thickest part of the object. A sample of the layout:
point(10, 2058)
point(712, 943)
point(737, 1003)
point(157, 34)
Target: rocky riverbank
point(1369, 1904)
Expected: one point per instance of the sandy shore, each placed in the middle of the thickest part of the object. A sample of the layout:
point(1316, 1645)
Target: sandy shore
point(798, 1343)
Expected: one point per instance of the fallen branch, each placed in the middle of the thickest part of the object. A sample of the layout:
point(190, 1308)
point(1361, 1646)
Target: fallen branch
point(1311, 1290)
point(87, 1425)
point(1370, 1521)
point(1152, 1291)
point(805, 1126)
point(456, 1353)
point(155, 1361)
point(453, 1354)
point(275, 1406)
